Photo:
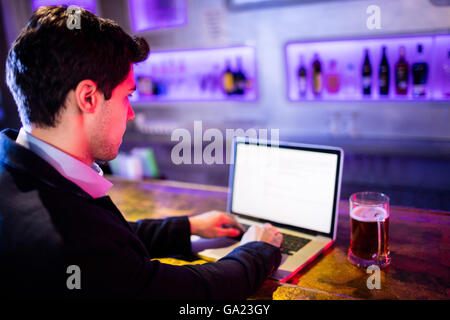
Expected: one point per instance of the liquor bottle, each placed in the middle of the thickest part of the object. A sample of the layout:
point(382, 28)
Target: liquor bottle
point(333, 80)
point(144, 86)
point(350, 82)
point(301, 74)
point(446, 67)
point(367, 74)
point(420, 74)
point(239, 78)
point(401, 73)
point(228, 79)
point(216, 85)
point(171, 75)
point(155, 80)
point(181, 77)
point(204, 82)
point(317, 75)
point(384, 74)
point(1, 109)
point(162, 83)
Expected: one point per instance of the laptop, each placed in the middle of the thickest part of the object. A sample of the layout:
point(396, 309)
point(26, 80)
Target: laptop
point(295, 187)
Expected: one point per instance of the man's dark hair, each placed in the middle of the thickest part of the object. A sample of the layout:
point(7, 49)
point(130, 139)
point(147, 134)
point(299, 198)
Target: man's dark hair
point(48, 59)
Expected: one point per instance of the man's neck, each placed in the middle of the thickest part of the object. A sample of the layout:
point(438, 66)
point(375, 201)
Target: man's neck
point(64, 140)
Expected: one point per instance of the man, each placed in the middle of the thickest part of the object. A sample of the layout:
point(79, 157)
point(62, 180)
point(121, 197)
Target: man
point(71, 87)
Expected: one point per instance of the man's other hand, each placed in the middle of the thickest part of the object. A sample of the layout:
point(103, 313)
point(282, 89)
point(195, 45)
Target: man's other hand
point(214, 224)
point(266, 233)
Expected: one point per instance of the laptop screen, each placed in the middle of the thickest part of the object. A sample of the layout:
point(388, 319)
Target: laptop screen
point(291, 186)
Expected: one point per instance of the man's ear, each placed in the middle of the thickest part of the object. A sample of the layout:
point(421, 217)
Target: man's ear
point(87, 96)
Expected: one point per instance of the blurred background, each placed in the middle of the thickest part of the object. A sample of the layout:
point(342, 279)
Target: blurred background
point(372, 77)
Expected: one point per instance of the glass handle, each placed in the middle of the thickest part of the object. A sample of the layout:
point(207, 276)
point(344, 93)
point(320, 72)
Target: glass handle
point(380, 224)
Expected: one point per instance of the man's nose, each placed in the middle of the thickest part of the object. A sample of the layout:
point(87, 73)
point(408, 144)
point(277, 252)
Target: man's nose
point(130, 115)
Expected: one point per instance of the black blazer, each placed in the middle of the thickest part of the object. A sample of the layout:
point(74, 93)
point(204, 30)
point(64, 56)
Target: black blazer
point(48, 223)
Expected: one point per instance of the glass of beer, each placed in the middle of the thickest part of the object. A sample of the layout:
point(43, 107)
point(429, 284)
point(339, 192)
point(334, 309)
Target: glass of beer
point(369, 243)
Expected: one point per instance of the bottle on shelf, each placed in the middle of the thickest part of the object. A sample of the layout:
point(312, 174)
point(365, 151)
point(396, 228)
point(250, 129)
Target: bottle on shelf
point(181, 77)
point(333, 79)
point(228, 79)
point(162, 80)
point(301, 75)
point(216, 85)
point(446, 67)
point(350, 83)
point(317, 75)
point(366, 74)
point(156, 80)
point(144, 86)
point(204, 82)
point(420, 74)
point(171, 75)
point(239, 78)
point(401, 74)
point(384, 74)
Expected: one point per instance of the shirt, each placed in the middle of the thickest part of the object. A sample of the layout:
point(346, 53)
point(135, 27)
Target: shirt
point(89, 179)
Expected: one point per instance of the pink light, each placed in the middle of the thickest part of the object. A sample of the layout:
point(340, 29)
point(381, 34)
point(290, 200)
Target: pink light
point(156, 14)
point(90, 5)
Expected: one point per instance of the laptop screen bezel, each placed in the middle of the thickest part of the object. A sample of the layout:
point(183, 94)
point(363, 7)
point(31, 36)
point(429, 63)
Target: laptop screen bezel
point(296, 146)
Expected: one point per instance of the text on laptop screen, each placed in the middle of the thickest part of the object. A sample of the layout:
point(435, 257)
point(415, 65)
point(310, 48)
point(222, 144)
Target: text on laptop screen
point(284, 185)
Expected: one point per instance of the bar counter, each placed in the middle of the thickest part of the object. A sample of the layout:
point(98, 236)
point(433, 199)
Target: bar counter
point(419, 241)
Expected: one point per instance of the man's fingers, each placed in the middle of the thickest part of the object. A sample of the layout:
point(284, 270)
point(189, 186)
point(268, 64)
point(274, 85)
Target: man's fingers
point(238, 226)
point(279, 239)
point(271, 228)
point(267, 225)
point(229, 232)
point(232, 232)
point(234, 223)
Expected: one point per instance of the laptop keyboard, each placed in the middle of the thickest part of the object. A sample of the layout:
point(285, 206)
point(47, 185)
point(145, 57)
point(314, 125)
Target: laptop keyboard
point(291, 244)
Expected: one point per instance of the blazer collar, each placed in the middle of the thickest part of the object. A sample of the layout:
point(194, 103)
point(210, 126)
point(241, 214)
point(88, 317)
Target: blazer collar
point(20, 158)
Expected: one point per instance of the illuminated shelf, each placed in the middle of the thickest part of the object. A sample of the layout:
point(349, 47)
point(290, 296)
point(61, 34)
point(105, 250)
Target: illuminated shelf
point(197, 75)
point(349, 57)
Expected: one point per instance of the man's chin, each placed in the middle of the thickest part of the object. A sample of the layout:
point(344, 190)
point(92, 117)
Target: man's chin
point(108, 157)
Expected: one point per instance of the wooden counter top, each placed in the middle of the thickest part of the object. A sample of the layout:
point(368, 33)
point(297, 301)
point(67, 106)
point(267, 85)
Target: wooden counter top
point(419, 242)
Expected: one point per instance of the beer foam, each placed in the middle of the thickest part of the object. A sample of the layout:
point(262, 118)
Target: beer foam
point(368, 214)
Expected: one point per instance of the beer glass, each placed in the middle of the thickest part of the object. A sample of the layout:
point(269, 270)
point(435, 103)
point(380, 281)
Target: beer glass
point(369, 216)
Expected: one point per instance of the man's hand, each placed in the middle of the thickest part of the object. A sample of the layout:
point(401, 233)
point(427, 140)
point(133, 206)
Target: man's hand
point(266, 233)
point(214, 224)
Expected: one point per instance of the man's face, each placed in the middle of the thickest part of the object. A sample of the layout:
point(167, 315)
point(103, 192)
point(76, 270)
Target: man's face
point(111, 122)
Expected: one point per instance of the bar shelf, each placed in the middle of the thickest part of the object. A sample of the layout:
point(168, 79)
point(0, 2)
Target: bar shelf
point(213, 74)
point(341, 64)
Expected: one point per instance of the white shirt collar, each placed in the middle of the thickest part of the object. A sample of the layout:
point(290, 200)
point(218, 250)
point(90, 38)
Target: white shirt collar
point(90, 179)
